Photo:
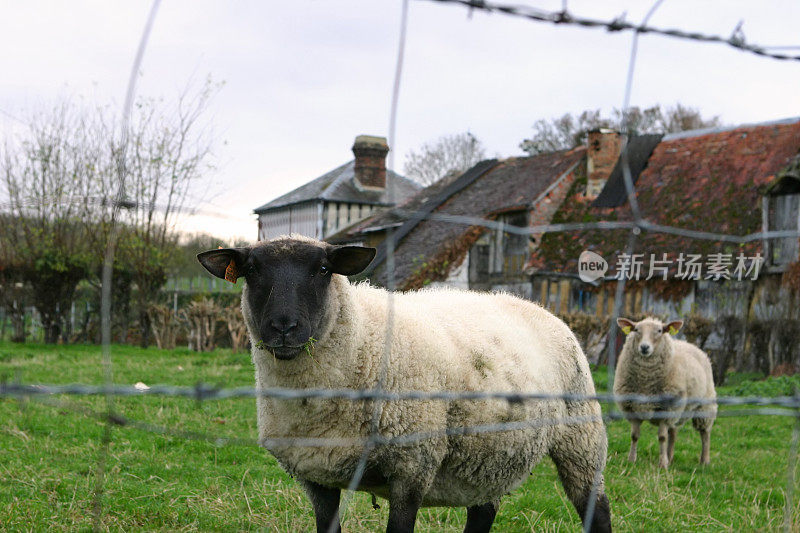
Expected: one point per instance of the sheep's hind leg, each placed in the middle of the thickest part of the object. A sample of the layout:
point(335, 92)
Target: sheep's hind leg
point(703, 426)
point(705, 438)
point(481, 517)
point(326, 506)
point(580, 456)
point(635, 426)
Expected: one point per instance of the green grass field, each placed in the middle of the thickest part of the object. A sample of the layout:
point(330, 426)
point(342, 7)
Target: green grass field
point(50, 448)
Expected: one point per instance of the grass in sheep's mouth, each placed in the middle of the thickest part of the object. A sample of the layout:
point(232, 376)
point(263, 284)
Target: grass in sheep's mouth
point(261, 346)
point(309, 346)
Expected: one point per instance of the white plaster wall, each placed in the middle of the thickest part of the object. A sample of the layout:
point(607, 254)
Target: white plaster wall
point(459, 276)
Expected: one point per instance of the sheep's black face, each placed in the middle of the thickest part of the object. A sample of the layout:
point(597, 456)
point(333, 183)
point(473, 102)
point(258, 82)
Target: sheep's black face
point(288, 284)
point(287, 289)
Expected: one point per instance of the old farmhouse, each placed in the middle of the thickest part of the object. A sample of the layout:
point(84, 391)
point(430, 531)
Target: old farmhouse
point(339, 198)
point(736, 180)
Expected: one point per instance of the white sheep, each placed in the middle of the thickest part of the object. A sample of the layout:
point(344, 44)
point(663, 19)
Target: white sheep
point(310, 328)
point(653, 363)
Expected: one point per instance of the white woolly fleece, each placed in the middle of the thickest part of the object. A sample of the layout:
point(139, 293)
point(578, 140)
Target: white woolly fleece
point(440, 340)
point(677, 368)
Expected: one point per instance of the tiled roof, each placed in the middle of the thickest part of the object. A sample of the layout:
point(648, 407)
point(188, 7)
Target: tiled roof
point(339, 185)
point(707, 181)
point(484, 191)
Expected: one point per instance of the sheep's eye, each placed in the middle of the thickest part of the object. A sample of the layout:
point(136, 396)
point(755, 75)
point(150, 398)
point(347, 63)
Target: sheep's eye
point(324, 270)
point(250, 270)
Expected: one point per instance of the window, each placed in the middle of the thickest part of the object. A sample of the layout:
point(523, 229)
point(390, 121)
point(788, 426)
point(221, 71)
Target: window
point(500, 252)
point(783, 213)
point(583, 300)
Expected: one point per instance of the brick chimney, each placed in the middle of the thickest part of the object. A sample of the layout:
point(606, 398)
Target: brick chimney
point(370, 155)
point(601, 156)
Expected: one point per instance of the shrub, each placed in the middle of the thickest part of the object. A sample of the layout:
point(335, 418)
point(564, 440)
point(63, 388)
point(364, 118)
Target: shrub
point(697, 328)
point(201, 318)
point(590, 330)
point(770, 387)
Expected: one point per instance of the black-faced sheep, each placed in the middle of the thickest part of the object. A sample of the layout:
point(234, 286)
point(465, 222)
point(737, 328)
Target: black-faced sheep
point(653, 363)
point(310, 328)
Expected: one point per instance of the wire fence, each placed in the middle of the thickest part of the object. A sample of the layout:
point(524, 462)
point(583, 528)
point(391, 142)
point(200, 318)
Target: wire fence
point(381, 394)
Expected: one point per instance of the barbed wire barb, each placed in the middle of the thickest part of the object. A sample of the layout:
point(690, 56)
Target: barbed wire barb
point(616, 25)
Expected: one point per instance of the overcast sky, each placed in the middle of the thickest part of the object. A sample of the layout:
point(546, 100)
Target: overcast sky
point(303, 78)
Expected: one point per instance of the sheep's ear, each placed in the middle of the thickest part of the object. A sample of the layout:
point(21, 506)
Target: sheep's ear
point(625, 325)
point(673, 327)
point(350, 260)
point(225, 263)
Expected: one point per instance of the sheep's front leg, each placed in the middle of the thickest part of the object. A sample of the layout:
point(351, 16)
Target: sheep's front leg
point(663, 461)
point(635, 426)
point(326, 506)
point(481, 517)
point(404, 503)
point(671, 434)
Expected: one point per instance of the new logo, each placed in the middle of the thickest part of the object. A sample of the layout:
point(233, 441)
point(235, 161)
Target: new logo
point(591, 266)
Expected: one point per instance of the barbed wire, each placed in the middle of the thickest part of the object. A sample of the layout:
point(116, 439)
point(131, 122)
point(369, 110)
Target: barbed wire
point(565, 18)
point(206, 392)
point(370, 440)
point(108, 259)
point(633, 225)
point(630, 192)
point(466, 220)
point(386, 354)
point(562, 227)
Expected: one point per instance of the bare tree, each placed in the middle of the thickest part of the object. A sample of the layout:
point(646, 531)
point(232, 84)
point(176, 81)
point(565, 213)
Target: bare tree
point(59, 182)
point(563, 133)
point(169, 153)
point(46, 176)
point(684, 118)
point(448, 155)
point(569, 131)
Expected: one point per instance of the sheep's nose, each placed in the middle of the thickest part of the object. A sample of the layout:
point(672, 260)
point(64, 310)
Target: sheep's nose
point(283, 326)
point(645, 349)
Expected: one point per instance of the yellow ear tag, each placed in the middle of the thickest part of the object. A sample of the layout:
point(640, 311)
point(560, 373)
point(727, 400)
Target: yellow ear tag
point(626, 330)
point(672, 330)
point(231, 273)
